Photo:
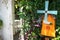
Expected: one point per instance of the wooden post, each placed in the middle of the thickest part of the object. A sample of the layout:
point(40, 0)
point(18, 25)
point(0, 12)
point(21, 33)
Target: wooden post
point(6, 13)
point(46, 38)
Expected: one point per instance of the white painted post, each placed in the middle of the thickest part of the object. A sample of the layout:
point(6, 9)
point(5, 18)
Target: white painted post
point(6, 12)
point(21, 26)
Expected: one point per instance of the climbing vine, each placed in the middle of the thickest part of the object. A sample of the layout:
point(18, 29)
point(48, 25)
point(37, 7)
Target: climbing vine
point(30, 16)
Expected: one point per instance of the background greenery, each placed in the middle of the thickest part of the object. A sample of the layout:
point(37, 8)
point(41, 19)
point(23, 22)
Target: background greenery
point(30, 16)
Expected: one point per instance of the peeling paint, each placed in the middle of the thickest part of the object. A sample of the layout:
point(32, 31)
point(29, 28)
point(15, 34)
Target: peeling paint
point(5, 2)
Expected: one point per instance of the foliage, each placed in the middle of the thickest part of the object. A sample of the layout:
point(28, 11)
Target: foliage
point(1, 23)
point(29, 14)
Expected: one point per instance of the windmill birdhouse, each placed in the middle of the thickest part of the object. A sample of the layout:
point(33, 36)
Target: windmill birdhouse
point(48, 23)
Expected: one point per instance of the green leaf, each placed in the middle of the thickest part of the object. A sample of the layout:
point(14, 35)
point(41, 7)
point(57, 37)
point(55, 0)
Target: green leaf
point(33, 34)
